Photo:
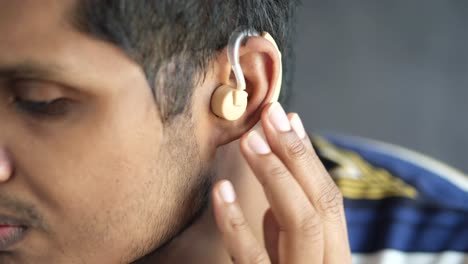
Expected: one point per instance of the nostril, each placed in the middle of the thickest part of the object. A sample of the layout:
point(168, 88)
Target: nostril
point(5, 167)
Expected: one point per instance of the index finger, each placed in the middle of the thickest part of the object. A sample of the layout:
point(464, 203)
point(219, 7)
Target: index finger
point(296, 152)
point(301, 236)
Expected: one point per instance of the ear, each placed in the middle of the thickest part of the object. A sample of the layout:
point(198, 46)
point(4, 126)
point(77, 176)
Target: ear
point(260, 61)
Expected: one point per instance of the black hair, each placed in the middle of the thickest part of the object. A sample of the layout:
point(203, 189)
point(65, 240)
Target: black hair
point(175, 40)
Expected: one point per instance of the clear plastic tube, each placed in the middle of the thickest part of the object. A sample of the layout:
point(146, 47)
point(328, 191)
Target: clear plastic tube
point(237, 39)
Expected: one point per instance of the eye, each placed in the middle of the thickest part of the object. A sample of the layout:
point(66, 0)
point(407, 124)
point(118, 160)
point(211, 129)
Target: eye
point(53, 108)
point(39, 98)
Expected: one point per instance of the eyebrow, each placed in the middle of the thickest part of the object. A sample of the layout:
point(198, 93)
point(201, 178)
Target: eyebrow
point(30, 69)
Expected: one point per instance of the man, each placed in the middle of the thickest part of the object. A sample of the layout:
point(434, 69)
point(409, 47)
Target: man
point(110, 150)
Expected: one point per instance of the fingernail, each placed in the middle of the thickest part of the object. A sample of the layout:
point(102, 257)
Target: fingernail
point(226, 190)
point(278, 118)
point(258, 144)
point(297, 126)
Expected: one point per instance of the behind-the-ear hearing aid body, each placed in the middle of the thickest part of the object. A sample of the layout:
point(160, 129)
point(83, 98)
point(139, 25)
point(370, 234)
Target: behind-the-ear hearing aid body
point(230, 102)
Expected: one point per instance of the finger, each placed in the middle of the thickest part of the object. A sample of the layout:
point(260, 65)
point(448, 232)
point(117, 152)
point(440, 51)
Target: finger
point(335, 231)
point(292, 146)
point(271, 235)
point(237, 236)
point(299, 156)
point(301, 237)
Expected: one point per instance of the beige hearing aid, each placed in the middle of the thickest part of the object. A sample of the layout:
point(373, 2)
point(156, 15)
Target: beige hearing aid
point(230, 102)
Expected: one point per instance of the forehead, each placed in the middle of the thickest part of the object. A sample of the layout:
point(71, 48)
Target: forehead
point(28, 23)
point(40, 32)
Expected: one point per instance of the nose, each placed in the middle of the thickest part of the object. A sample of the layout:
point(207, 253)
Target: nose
point(6, 168)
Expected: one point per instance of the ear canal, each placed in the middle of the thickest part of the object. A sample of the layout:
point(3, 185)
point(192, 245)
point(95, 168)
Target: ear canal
point(229, 103)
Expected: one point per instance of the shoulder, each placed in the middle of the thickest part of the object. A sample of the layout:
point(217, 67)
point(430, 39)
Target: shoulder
point(401, 206)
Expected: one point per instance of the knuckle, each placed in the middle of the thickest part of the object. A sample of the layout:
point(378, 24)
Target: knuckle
point(296, 149)
point(257, 256)
point(238, 224)
point(330, 201)
point(308, 225)
point(279, 173)
point(310, 220)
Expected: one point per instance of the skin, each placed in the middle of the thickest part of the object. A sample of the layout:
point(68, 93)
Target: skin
point(105, 181)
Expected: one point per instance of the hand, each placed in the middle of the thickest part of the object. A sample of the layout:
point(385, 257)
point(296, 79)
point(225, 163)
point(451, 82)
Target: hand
point(306, 222)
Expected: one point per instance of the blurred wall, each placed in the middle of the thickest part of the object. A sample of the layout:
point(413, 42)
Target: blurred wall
point(392, 70)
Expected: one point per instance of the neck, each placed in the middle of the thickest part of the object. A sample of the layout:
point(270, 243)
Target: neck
point(201, 243)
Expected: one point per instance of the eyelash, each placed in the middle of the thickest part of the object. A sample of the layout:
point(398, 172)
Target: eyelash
point(54, 108)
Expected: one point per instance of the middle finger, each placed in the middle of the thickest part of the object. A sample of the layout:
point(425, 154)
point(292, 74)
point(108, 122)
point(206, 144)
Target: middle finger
point(297, 153)
point(300, 235)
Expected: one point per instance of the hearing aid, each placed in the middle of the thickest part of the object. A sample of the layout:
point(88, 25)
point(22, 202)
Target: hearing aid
point(230, 102)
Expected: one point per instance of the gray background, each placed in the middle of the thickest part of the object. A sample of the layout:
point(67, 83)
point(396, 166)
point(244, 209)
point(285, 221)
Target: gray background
point(392, 70)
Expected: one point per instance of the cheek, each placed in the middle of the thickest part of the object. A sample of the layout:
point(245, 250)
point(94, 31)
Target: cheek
point(88, 183)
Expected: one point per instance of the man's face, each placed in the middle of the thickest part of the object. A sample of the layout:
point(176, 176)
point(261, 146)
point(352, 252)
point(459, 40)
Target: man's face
point(97, 177)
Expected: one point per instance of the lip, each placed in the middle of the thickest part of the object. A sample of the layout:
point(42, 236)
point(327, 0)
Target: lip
point(11, 232)
point(10, 235)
